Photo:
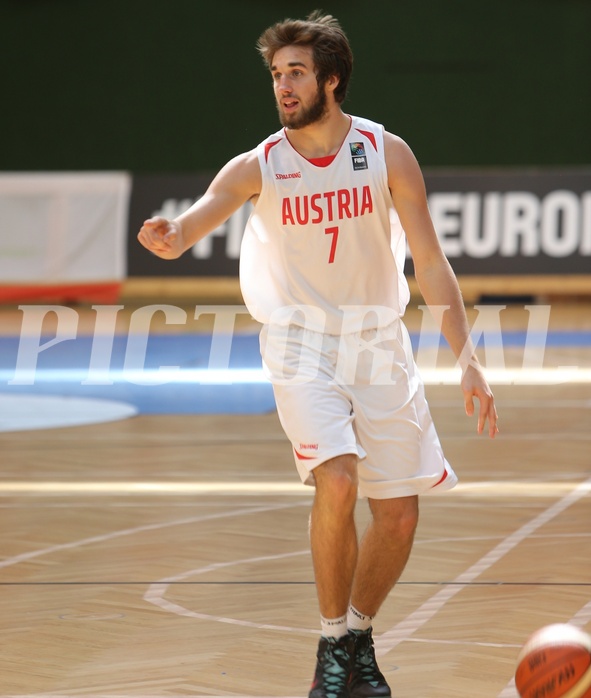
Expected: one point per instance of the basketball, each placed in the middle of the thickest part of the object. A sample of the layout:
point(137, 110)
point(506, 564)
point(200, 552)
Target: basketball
point(555, 662)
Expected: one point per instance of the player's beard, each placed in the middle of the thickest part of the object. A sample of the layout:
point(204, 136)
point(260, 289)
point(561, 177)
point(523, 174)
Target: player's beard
point(307, 115)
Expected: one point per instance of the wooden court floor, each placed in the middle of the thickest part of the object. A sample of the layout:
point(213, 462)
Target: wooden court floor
point(167, 555)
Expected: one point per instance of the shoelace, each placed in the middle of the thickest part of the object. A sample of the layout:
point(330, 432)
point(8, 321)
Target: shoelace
point(335, 664)
point(366, 666)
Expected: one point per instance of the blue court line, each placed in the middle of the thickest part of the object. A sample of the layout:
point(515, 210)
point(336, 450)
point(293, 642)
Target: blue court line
point(570, 338)
point(192, 351)
point(186, 351)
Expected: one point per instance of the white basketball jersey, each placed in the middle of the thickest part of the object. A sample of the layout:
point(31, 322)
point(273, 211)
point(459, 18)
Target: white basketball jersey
point(326, 241)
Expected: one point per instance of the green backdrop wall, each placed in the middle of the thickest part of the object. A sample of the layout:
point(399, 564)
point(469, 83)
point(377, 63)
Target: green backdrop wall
point(177, 86)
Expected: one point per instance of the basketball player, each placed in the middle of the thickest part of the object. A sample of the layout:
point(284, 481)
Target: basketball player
point(336, 198)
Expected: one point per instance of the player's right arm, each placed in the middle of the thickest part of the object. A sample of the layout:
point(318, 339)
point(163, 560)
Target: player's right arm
point(235, 184)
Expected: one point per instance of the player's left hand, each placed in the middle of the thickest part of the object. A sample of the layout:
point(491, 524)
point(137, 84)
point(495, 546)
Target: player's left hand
point(474, 385)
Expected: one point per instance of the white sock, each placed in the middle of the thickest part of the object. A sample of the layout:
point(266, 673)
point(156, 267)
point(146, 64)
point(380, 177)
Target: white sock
point(333, 627)
point(357, 620)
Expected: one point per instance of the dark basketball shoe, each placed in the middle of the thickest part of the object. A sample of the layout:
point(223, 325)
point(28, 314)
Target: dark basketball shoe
point(333, 668)
point(366, 681)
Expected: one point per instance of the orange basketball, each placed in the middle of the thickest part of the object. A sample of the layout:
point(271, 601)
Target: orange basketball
point(555, 662)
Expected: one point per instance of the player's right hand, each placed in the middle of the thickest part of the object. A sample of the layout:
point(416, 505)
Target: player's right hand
point(162, 237)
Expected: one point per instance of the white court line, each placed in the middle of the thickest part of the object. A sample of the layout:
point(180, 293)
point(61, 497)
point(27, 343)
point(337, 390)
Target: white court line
point(153, 487)
point(473, 572)
point(500, 488)
point(23, 557)
point(407, 627)
point(468, 539)
point(521, 404)
point(156, 592)
point(582, 617)
point(465, 643)
point(524, 436)
point(227, 376)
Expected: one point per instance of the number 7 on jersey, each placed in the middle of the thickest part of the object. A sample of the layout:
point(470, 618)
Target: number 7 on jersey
point(333, 245)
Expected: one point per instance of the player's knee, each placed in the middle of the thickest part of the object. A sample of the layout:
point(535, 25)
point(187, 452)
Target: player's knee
point(337, 480)
point(408, 524)
point(398, 518)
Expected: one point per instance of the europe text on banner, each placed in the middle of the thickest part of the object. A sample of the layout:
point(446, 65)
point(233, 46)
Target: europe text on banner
point(505, 222)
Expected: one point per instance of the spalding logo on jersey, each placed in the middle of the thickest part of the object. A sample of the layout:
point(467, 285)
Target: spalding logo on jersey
point(358, 156)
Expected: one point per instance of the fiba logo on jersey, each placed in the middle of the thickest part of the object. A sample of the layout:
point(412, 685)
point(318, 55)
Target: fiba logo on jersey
point(358, 156)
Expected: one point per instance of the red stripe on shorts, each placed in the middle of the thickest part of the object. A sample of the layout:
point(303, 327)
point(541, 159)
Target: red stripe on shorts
point(443, 477)
point(300, 457)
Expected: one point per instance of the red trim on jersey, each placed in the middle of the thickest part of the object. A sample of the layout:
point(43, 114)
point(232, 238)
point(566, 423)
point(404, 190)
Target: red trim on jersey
point(443, 478)
point(323, 161)
point(372, 138)
point(268, 147)
point(300, 457)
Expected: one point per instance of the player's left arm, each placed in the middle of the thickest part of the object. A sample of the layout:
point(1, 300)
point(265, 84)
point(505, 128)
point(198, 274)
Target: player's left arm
point(435, 277)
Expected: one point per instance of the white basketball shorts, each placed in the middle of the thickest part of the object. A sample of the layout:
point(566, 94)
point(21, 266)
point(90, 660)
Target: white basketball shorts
point(357, 393)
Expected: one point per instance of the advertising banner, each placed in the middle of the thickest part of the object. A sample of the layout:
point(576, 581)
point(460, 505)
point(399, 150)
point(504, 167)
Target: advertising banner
point(505, 222)
point(63, 234)
point(513, 222)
